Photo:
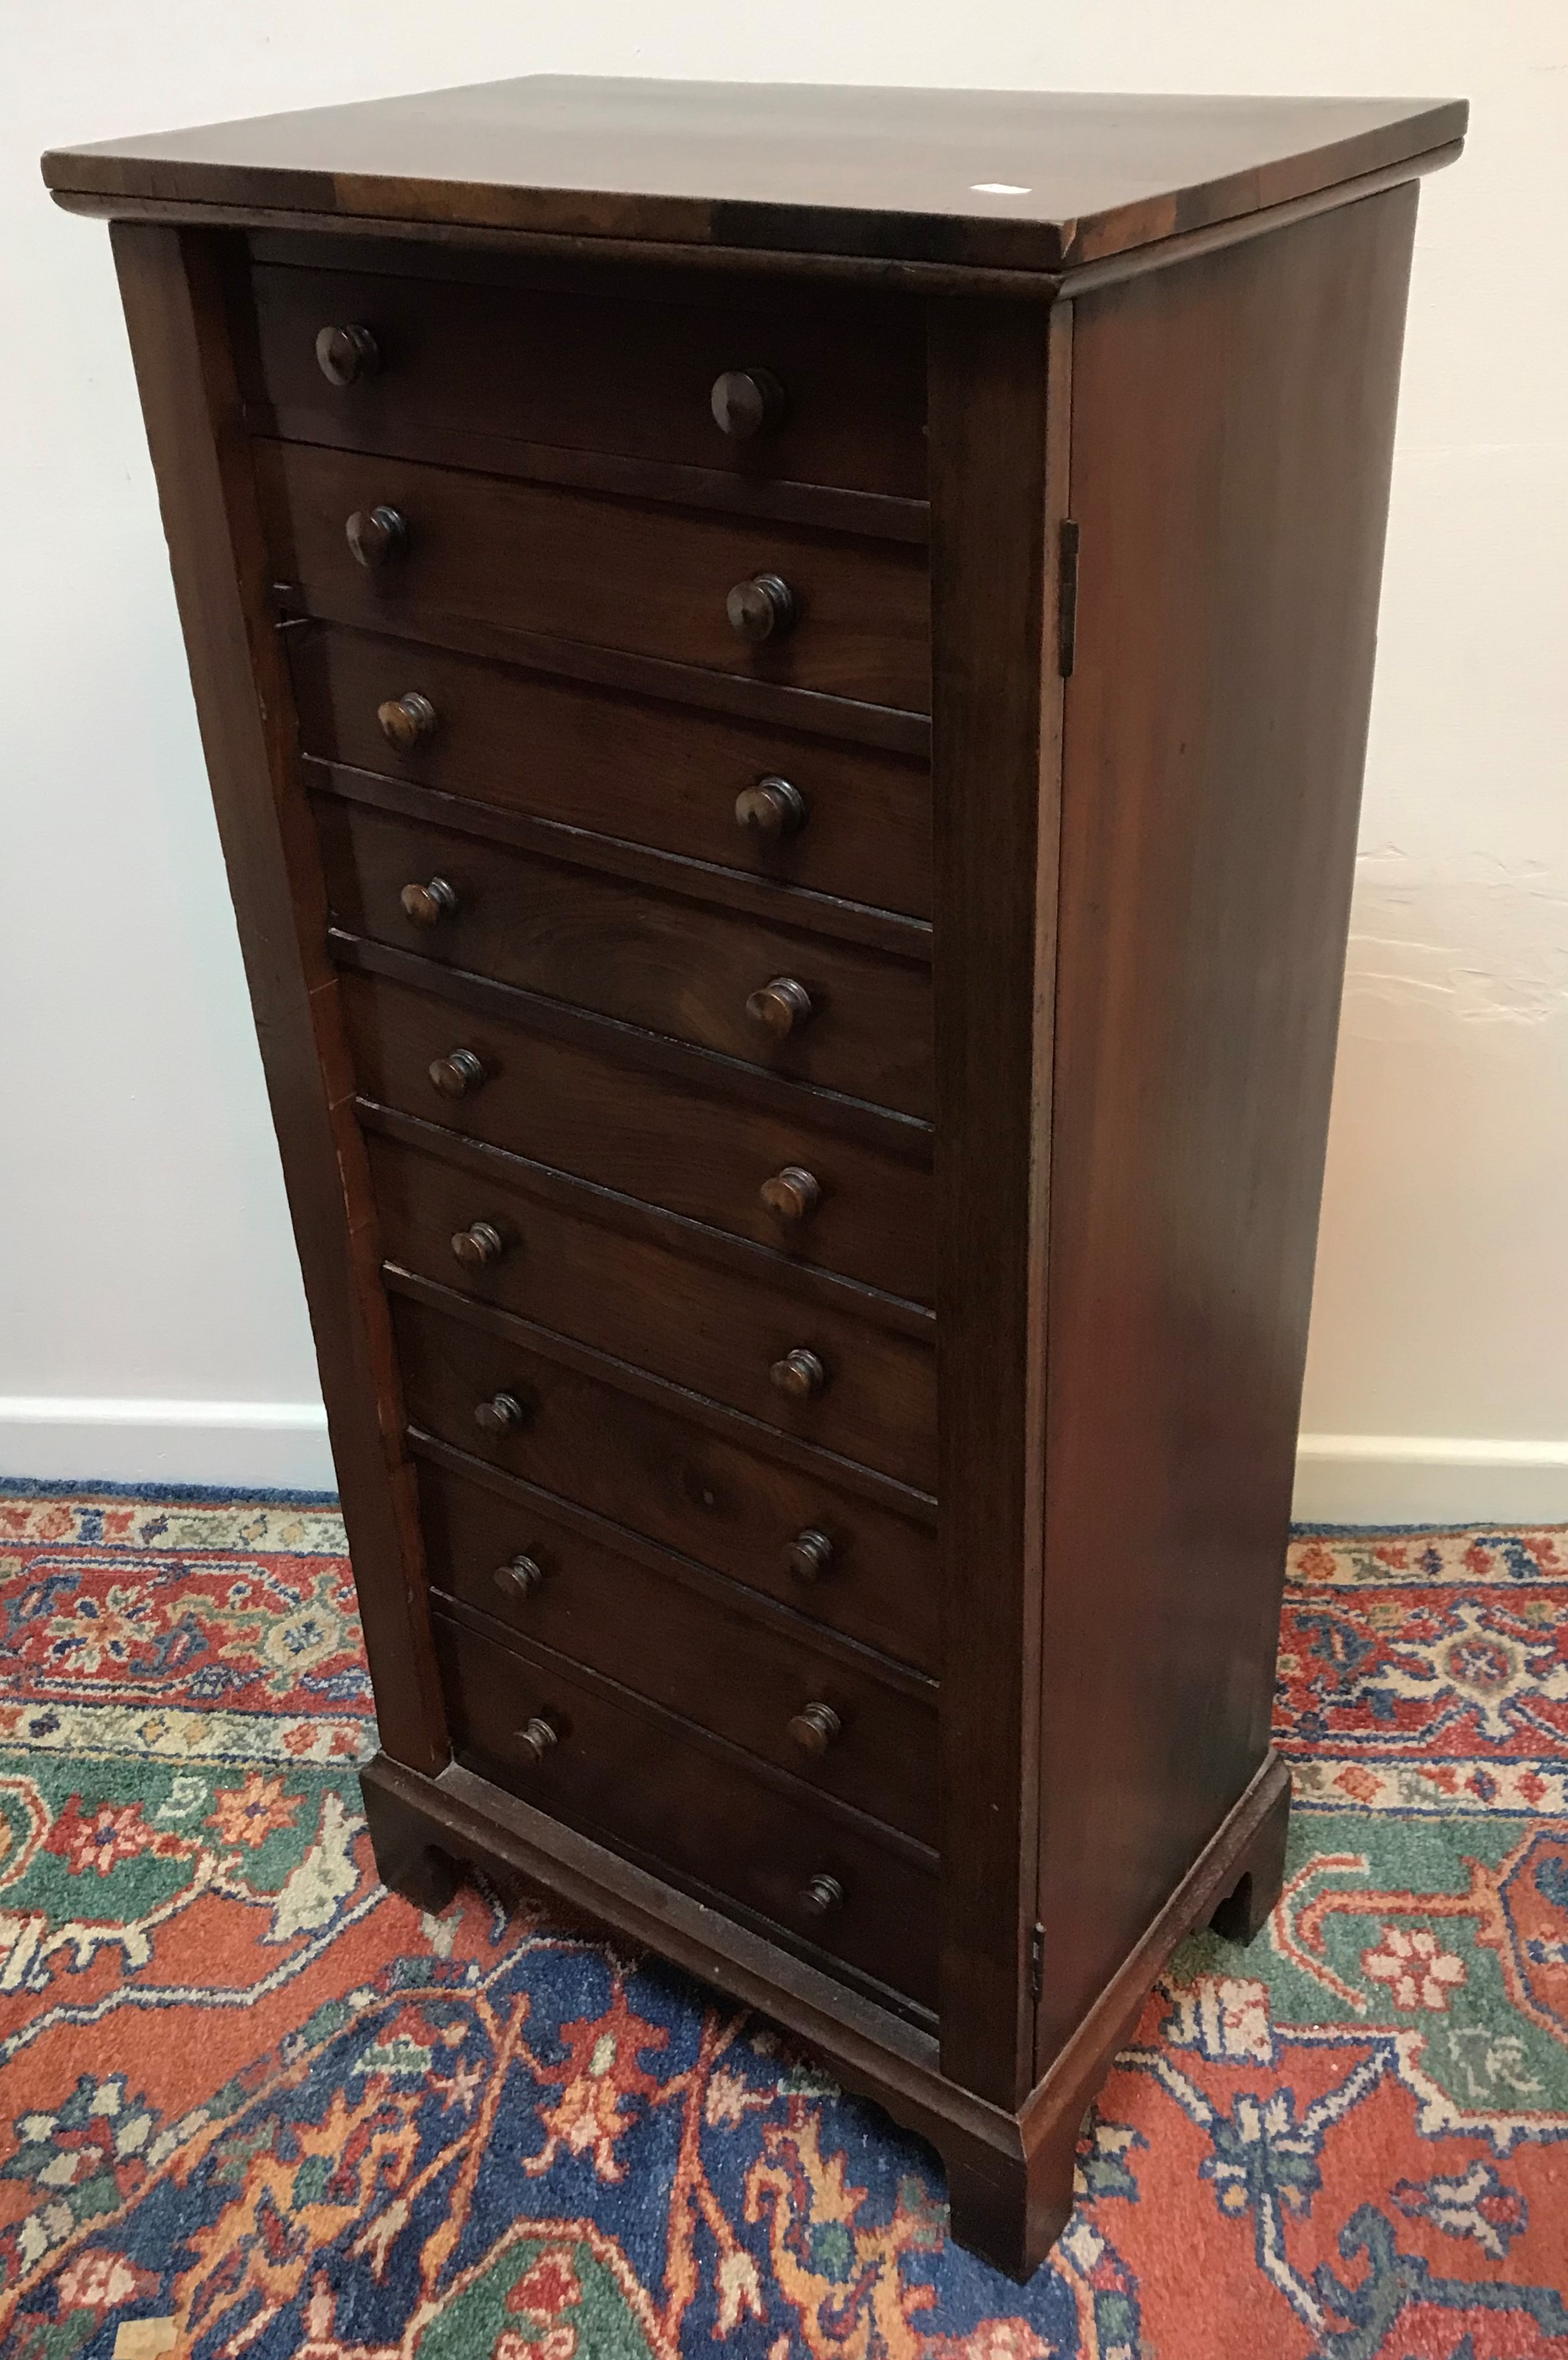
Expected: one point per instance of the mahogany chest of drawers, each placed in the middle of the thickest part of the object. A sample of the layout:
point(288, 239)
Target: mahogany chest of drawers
point(785, 676)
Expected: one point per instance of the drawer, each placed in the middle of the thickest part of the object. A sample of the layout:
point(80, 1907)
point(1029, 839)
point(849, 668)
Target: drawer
point(585, 371)
point(648, 579)
point(645, 1466)
point(665, 775)
point(716, 1662)
point(716, 1330)
point(802, 1004)
point(587, 1111)
point(643, 1785)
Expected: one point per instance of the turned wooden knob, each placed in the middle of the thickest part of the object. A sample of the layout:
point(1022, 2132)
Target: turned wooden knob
point(346, 355)
point(814, 1727)
point(428, 904)
point(821, 1896)
point(536, 1738)
point(457, 1072)
point(780, 1006)
point(772, 808)
point(501, 1415)
point(792, 1194)
point(375, 535)
point(810, 1555)
point(478, 1245)
point(762, 608)
point(405, 720)
point(518, 1576)
point(746, 402)
point(799, 1374)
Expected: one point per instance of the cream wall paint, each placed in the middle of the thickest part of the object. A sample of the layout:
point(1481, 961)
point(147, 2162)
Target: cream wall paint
point(153, 1322)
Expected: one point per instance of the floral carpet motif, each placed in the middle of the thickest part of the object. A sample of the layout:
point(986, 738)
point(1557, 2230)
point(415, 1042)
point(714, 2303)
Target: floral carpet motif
point(251, 2104)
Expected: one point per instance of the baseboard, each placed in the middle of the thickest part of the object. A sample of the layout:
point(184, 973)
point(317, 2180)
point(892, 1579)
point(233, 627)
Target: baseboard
point(241, 1446)
point(1341, 1479)
point(1421, 1479)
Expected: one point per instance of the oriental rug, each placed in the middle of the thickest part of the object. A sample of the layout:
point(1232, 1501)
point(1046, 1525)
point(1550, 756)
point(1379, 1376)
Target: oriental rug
point(251, 2104)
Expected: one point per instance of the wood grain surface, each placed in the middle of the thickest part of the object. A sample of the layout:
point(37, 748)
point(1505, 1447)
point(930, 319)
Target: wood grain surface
point(701, 1651)
point(714, 1330)
point(721, 1497)
point(589, 757)
point(696, 1152)
point(651, 957)
point(1020, 180)
point(570, 369)
point(643, 1781)
point(1233, 425)
point(616, 573)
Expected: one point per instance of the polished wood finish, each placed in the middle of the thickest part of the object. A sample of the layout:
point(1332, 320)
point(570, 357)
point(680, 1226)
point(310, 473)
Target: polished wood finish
point(1196, 1037)
point(881, 1599)
point(707, 1814)
point(623, 767)
point(752, 165)
point(555, 368)
point(847, 1018)
point(696, 1645)
point(1000, 395)
point(844, 618)
point(584, 1110)
point(176, 289)
point(787, 749)
point(717, 1331)
point(721, 1489)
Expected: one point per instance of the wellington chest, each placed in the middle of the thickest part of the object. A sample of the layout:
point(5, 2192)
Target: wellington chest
point(785, 675)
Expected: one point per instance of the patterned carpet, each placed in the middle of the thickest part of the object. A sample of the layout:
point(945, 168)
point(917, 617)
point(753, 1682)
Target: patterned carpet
point(250, 2105)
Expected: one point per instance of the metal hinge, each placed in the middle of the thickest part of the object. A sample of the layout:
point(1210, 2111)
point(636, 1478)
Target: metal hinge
point(1066, 596)
point(1036, 1963)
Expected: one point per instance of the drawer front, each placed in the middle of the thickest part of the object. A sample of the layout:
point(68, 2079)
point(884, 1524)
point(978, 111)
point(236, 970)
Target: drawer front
point(588, 372)
point(715, 1330)
point(651, 580)
point(639, 1784)
point(659, 774)
point(715, 1663)
point(644, 1465)
point(858, 1021)
point(567, 1105)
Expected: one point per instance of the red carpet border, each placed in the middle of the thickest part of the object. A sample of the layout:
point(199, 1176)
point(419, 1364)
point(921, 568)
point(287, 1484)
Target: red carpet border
point(250, 2105)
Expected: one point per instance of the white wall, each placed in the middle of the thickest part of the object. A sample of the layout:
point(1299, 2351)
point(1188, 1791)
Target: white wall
point(153, 1322)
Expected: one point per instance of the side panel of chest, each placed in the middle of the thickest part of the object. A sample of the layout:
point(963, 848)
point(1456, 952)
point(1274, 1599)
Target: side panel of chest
point(1233, 430)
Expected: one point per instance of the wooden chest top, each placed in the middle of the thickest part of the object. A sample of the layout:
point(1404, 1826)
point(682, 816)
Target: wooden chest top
point(1021, 181)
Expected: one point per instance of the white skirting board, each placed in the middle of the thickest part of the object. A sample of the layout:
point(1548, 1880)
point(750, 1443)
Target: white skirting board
point(233, 1446)
point(1422, 1479)
point(1341, 1479)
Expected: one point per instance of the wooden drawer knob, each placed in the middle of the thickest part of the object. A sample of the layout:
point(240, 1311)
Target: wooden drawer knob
point(406, 720)
point(375, 535)
point(814, 1727)
point(346, 355)
point(810, 1555)
point(536, 1738)
point(426, 905)
point(821, 1896)
point(772, 808)
point(799, 1375)
point(518, 1576)
point(478, 1245)
point(501, 1415)
point(780, 1006)
point(792, 1194)
point(762, 608)
point(746, 402)
point(457, 1072)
